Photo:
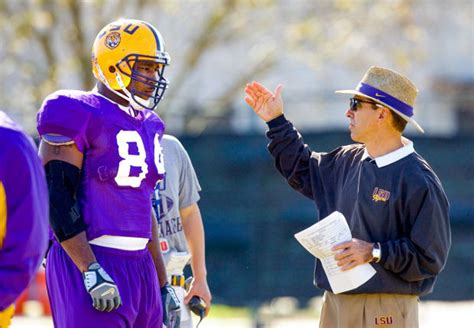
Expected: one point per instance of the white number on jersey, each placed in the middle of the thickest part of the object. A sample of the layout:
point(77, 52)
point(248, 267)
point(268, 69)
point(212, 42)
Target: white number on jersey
point(123, 177)
point(159, 163)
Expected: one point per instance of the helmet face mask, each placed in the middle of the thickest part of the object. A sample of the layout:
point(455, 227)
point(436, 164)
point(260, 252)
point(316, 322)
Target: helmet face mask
point(117, 50)
point(128, 67)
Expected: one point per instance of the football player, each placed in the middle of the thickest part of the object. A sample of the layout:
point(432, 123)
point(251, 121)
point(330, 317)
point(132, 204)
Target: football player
point(182, 231)
point(102, 156)
point(23, 214)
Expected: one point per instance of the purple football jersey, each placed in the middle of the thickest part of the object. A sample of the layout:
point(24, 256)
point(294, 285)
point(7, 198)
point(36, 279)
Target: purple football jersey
point(122, 159)
point(24, 211)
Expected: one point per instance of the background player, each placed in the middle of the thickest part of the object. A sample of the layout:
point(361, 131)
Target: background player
point(393, 201)
point(182, 232)
point(102, 156)
point(23, 214)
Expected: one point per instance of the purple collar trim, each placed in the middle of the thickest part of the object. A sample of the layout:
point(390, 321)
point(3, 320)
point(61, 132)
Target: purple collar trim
point(386, 99)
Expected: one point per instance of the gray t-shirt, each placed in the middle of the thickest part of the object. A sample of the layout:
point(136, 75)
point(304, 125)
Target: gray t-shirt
point(179, 189)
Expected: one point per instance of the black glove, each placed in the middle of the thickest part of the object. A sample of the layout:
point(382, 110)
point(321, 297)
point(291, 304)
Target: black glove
point(103, 290)
point(170, 303)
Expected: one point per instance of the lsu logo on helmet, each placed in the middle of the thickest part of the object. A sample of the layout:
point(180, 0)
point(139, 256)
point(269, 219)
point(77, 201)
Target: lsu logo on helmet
point(112, 40)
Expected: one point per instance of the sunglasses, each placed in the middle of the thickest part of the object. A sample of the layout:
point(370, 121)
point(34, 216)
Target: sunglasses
point(356, 104)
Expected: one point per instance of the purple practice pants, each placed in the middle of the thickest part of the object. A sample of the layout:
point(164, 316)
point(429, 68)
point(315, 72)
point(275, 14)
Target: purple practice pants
point(136, 279)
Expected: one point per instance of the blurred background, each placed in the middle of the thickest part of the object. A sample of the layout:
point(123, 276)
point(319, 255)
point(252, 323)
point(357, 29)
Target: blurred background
point(257, 270)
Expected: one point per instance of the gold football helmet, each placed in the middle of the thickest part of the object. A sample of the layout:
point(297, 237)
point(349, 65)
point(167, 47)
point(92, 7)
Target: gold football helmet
point(118, 47)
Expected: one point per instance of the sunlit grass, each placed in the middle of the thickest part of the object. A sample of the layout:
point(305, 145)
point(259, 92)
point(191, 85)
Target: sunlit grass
point(225, 311)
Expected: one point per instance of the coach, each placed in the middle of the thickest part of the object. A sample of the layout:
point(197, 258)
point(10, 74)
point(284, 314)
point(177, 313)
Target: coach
point(393, 201)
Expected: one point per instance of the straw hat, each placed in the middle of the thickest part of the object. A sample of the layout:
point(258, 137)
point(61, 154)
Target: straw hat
point(389, 89)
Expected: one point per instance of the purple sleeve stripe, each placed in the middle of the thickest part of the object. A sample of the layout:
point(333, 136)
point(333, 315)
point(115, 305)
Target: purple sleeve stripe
point(67, 133)
point(57, 139)
point(386, 99)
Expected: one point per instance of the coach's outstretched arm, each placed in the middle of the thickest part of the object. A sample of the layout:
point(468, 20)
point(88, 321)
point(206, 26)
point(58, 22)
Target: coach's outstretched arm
point(286, 145)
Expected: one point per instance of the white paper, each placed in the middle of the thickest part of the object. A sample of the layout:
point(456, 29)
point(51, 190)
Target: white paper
point(320, 238)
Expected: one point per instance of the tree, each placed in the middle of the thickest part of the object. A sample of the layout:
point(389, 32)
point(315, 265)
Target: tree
point(216, 46)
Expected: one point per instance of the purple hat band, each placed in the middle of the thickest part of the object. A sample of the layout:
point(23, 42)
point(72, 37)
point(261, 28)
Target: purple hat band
point(386, 99)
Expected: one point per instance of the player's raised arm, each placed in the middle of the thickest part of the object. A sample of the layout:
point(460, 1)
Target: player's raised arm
point(265, 104)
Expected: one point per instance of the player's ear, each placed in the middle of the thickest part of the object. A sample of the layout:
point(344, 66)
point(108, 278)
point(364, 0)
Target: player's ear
point(384, 113)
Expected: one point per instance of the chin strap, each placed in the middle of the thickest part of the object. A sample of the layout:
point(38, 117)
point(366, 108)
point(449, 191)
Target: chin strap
point(128, 96)
point(133, 103)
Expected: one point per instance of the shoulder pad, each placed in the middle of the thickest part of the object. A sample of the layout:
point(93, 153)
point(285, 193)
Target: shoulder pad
point(64, 114)
point(156, 123)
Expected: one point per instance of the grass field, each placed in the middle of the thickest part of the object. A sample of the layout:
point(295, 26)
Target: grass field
point(432, 315)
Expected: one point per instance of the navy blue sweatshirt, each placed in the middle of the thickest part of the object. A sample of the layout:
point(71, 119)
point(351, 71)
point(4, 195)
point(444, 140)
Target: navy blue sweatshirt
point(402, 205)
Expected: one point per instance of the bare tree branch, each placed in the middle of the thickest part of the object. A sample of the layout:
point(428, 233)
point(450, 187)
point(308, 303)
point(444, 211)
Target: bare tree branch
point(44, 22)
point(206, 38)
point(78, 43)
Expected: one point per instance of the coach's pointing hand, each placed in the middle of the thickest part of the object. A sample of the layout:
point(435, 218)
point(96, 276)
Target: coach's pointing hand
point(263, 102)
